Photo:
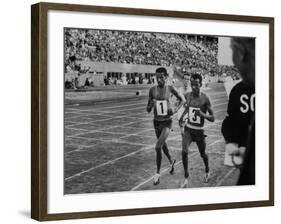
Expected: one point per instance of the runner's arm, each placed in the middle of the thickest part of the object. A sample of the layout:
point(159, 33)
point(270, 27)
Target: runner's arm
point(150, 103)
point(179, 96)
point(209, 115)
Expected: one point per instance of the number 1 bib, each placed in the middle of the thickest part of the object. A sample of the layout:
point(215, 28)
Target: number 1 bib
point(162, 107)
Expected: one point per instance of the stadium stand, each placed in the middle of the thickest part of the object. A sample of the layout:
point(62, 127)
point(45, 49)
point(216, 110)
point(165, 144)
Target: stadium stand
point(187, 52)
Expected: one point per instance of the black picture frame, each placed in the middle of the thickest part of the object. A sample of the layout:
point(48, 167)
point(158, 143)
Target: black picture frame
point(39, 108)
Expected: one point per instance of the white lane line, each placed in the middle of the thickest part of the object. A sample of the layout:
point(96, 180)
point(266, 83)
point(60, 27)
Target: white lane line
point(85, 116)
point(121, 138)
point(76, 129)
point(225, 177)
point(217, 141)
point(102, 130)
point(74, 117)
point(75, 150)
point(80, 113)
point(75, 124)
point(80, 147)
point(132, 116)
point(217, 94)
point(218, 111)
point(114, 141)
point(104, 109)
point(107, 163)
point(118, 111)
point(111, 107)
point(128, 109)
point(112, 161)
point(122, 116)
point(220, 104)
point(105, 119)
point(151, 178)
point(217, 100)
point(176, 137)
point(147, 130)
point(132, 104)
point(125, 105)
point(166, 169)
point(161, 173)
point(135, 134)
point(116, 126)
point(135, 108)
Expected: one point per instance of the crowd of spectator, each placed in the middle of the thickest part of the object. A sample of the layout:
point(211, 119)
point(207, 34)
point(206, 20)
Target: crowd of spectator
point(138, 48)
point(136, 79)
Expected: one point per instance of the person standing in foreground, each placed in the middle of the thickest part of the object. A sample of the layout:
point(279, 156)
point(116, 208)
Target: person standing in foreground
point(238, 128)
point(198, 108)
point(159, 101)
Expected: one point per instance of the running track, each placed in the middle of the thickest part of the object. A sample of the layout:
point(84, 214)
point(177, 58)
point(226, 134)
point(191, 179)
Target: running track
point(109, 147)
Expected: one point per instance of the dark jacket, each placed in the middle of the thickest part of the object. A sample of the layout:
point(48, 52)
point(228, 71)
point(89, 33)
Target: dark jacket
point(235, 126)
point(247, 173)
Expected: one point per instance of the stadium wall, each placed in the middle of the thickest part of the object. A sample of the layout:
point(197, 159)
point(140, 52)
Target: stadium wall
point(120, 67)
point(98, 70)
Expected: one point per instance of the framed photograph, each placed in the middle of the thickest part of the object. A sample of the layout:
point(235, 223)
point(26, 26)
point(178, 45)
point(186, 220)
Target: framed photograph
point(140, 111)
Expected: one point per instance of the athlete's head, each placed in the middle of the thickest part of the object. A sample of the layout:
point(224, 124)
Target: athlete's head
point(161, 76)
point(196, 82)
point(244, 57)
point(186, 79)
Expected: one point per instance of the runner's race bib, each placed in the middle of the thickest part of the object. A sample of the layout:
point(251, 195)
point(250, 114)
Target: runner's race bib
point(162, 107)
point(192, 116)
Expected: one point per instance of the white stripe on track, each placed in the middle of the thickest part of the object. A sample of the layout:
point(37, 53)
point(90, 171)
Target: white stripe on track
point(104, 129)
point(217, 141)
point(110, 107)
point(116, 159)
point(103, 113)
point(110, 141)
point(151, 178)
point(77, 129)
point(107, 163)
point(105, 119)
point(220, 104)
point(80, 147)
point(161, 173)
point(101, 109)
point(218, 111)
point(118, 111)
point(225, 177)
point(217, 100)
point(166, 169)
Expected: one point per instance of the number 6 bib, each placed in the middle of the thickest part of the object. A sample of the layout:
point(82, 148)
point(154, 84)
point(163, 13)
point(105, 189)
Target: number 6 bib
point(162, 107)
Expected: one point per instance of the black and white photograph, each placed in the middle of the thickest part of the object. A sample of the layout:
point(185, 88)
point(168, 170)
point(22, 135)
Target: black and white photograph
point(144, 111)
point(157, 111)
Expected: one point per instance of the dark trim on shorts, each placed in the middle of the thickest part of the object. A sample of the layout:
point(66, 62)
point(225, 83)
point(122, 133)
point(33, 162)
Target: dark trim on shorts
point(164, 123)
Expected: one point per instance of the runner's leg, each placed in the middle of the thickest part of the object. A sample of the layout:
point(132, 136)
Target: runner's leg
point(202, 150)
point(159, 144)
point(186, 141)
